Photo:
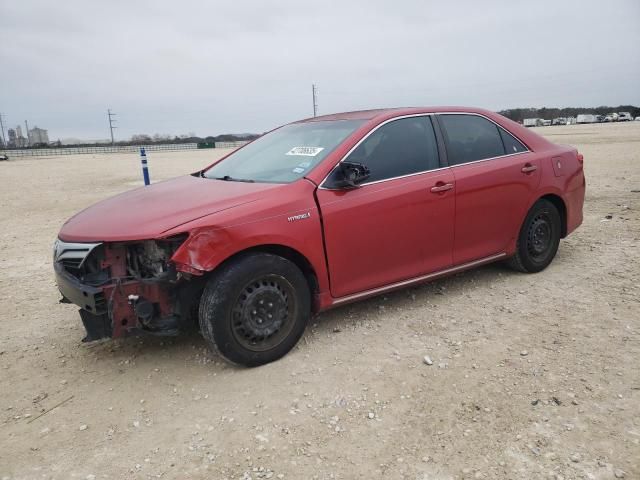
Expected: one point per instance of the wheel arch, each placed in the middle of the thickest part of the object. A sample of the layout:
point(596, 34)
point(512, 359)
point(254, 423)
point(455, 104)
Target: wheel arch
point(559, 203)
point(284, 251)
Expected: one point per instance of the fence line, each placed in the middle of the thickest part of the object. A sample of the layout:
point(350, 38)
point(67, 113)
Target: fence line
point(46, 152)
point(237, 144)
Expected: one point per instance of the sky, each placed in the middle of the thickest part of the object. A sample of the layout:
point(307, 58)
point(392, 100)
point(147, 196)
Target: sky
point(179, 67)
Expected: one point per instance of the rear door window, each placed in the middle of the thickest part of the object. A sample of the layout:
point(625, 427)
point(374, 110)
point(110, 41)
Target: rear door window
point(401, 147)
point(470, 138)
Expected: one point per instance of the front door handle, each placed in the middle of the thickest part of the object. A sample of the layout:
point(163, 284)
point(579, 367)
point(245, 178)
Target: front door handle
point(441, 187)
point(528, 168)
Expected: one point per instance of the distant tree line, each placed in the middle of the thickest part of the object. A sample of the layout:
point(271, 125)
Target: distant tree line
point(549, 113)
point(140, 139)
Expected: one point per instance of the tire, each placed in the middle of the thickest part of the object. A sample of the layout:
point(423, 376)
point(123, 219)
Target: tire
point(254, 309)
point(538, 239)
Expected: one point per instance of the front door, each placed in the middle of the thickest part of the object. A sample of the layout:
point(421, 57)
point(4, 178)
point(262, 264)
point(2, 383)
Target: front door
point(393, 227)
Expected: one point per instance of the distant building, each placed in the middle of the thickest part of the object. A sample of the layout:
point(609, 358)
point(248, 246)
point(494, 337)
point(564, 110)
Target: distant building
point(13, 139)
point(38, 136)
point(20, 140)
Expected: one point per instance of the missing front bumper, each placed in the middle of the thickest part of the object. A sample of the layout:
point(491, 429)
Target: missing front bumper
point(88, 298)
point(97, 326)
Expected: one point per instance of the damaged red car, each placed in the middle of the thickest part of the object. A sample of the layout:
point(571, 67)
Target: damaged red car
point(316, 214)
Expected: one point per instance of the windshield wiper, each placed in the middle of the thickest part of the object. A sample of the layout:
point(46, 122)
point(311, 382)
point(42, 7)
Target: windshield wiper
point(228, 178)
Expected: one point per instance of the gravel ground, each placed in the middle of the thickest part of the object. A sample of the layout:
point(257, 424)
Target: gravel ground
point(532, 376)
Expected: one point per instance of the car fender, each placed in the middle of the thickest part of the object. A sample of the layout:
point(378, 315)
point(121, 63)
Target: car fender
point(301, 231)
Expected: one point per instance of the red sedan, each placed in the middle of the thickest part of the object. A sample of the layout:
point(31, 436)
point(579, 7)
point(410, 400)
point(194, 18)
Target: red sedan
point(314, 214)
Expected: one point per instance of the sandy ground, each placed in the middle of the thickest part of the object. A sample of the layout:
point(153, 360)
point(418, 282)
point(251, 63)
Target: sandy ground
point(533, 376)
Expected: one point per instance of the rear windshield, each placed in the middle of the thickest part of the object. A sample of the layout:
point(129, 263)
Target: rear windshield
point(286, 154)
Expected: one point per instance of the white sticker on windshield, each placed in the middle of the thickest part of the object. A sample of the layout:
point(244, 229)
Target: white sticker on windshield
point(298, 170)
point(305, 151)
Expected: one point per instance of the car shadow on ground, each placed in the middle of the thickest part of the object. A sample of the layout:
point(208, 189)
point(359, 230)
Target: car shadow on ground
point(404, 299)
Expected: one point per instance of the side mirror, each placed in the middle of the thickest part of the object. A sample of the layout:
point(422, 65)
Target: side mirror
point(348, 175)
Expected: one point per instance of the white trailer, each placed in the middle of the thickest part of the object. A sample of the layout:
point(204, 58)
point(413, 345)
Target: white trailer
point(611, 117)
point(532, 122)
point(587, 118)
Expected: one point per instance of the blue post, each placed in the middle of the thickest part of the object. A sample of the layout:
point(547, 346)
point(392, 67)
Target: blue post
point(145, 169)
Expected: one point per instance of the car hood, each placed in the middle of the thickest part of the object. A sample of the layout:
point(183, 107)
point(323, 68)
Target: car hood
point(148, 212)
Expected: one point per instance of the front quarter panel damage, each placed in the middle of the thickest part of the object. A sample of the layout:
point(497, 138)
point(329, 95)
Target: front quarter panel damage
point(207, 247)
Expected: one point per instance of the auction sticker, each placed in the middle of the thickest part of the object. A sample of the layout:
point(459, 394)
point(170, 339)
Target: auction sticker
point(305, 151)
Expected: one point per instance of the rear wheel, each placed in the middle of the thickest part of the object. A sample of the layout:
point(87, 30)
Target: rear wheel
point(255, 309)
point(538, 239)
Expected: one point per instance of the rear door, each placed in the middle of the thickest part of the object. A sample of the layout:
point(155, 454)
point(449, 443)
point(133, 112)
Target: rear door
point(495, 176)
point(393, 227)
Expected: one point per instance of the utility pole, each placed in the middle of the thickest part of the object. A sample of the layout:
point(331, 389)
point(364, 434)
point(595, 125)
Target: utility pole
point(26, 126)
point(4, 140)
point(314, 92)
point(111, 122)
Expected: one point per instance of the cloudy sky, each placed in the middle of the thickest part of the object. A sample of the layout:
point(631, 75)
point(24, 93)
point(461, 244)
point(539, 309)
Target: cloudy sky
point(246, 66)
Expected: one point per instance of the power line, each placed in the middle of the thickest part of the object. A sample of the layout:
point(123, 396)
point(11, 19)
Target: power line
point(111, 122)
point(314, 92)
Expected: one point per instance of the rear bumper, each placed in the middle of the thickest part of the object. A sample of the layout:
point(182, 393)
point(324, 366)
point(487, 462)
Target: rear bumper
point(574, 201)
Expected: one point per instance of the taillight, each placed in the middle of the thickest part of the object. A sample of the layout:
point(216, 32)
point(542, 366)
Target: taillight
point(580, 158)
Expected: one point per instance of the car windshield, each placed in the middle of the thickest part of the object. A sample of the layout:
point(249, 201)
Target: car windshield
point(284, 155)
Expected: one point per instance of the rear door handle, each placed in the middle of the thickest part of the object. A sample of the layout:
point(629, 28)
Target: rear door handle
point(441, 187)
point(528, 168)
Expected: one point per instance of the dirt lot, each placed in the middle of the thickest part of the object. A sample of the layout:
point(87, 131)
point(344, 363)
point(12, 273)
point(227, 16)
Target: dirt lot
point(533, 376)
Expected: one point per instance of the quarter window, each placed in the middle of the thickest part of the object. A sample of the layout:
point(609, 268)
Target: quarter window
point(511, 143)
point(401, 147)
point(471, 138)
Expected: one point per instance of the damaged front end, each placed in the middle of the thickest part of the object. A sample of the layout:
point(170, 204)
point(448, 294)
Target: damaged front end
point(127, 287)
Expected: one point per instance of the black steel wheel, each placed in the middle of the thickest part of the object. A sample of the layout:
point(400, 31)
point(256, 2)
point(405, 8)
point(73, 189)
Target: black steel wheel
point(262, 313)
point(255, 308)
point(539, 238)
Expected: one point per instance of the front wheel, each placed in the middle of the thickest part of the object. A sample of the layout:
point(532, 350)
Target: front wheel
point(539, 238)
point(255, 309)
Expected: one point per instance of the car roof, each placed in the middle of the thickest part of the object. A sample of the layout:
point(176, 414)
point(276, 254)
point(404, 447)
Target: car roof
point(384, 113)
